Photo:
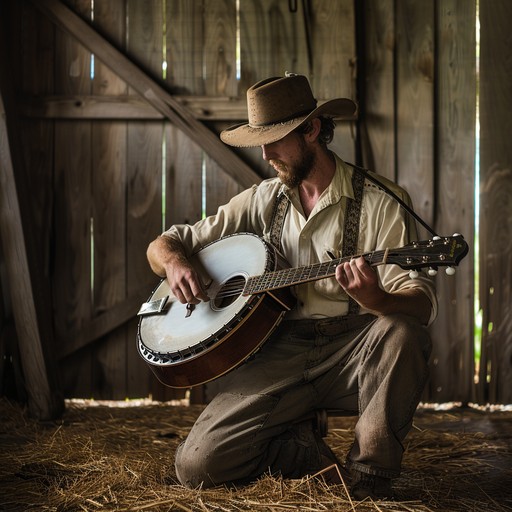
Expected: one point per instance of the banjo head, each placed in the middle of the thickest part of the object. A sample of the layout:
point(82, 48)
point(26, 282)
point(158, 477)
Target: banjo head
point(180, 331)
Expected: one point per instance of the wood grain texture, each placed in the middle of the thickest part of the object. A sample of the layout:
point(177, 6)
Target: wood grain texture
point(378, 120)
point(496, 286)
point(143, 173)
point(184, 47)
point(219, 59)
point(333, 47)
point(43, 400)
point(452, 359)
point(415, 103)
point(72, 301)
point(109, 140)
point(416, 127)
point(272, 41)
point(496, 204)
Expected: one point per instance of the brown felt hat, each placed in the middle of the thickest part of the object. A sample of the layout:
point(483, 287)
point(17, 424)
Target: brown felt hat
point(278, 105)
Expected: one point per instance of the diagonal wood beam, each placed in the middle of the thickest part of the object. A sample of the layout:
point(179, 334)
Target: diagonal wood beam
point(158, 97)
point(117, 315)
point(44, 399)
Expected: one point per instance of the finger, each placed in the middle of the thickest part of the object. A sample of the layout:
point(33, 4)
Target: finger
point(366, 272)
point(198, 290)
point(179, 294)
point(350, 271)
point(344, 274)
point(183, 292)
point(341, 276)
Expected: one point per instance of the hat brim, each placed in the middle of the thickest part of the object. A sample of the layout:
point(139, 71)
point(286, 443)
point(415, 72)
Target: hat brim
point(247, 136)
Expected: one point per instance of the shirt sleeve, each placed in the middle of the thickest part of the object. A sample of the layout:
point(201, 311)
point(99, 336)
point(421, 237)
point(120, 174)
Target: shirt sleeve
point(393, 228)
point(233, 217)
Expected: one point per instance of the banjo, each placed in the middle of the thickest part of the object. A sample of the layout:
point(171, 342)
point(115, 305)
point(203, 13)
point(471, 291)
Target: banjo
point(248, 283)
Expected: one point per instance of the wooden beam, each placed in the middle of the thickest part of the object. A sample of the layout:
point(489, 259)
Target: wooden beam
point(205, 108)
point(160, 99)
point(116, 316)
point(43, 400)
point(128, 107)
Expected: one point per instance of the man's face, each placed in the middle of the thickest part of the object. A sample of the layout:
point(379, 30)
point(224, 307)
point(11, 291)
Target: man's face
point(291, 157)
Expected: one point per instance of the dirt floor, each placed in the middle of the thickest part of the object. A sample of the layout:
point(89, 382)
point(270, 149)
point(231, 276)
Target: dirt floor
point(100, 457)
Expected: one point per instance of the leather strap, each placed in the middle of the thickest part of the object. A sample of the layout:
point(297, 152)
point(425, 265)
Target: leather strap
point(351, 228)
point(276, 224)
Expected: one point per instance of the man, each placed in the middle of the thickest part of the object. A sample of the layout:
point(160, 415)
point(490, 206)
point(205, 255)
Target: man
point(356, 341)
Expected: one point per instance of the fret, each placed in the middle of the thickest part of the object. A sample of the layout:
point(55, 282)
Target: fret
point(416, 255)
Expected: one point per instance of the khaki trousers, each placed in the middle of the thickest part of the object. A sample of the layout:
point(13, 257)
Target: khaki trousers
point(375, 367)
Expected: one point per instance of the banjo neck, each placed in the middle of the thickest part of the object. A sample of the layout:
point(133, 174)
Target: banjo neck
point(293, 276)
point(440, 251)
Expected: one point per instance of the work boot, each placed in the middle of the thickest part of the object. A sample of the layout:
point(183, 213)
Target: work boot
point(331, 469)
point(364, 486)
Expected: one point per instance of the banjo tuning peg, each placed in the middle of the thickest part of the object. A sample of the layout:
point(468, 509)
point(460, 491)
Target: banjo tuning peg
point(413, 274)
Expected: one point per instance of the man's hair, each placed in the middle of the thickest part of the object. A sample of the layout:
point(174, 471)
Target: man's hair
point(326, 129)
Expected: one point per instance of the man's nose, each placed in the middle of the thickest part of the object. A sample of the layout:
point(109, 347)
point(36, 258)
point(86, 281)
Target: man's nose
point(266, 152)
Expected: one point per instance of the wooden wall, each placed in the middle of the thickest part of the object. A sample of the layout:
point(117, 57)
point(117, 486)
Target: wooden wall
point(106, 170)
point(495, 290)
point(419, 87)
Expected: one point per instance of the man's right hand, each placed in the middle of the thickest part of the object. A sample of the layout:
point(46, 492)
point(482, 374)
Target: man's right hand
point(167, 259)
point(185, 283)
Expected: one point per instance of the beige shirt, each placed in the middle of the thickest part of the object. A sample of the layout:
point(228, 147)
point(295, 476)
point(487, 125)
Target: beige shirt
point(384, 224)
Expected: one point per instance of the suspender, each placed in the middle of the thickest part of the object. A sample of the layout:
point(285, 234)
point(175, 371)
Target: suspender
point(276, 225)
point(351, 228)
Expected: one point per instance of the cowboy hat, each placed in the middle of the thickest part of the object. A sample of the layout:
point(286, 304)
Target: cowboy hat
point(278, 105)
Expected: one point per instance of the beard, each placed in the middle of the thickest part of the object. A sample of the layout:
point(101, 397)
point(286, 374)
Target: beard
point(292, 175)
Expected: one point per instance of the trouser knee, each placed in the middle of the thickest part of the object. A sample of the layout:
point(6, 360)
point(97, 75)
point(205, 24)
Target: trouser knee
point(405, 333)
point(194, 469)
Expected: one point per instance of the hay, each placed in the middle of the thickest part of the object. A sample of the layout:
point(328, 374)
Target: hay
point(101, 458)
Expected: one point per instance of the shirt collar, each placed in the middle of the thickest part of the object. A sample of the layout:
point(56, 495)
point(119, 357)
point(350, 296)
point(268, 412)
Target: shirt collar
point(341, 185)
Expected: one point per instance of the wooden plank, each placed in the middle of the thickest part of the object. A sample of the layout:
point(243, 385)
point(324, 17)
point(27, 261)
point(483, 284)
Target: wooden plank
point(144, 173)
point(88, 107)
point(496, 288)
point(103, 324)
point(377, 64)
point(184, 47)
point(184, 189)
point(152, 92)
point(219, 188)
point(126, 107)
point(255, 63)
point(109, 235)
point(72, 299)
point(219, 65)
point(333, 45)
point(415, 103)
point(452, 368)
point(272, 41)
point(495, 207)
point(183, 193)
point(43, 401)
point(333, 53)
point(184, 157)
point(36, 44)
point(220, 79)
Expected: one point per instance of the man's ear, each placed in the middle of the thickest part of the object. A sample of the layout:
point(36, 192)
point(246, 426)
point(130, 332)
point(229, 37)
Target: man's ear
point(316, 126)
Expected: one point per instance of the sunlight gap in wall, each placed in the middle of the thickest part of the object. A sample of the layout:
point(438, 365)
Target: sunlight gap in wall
point(91, 221)
point(164, 39)
point(164, 140)
point(477, 342)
